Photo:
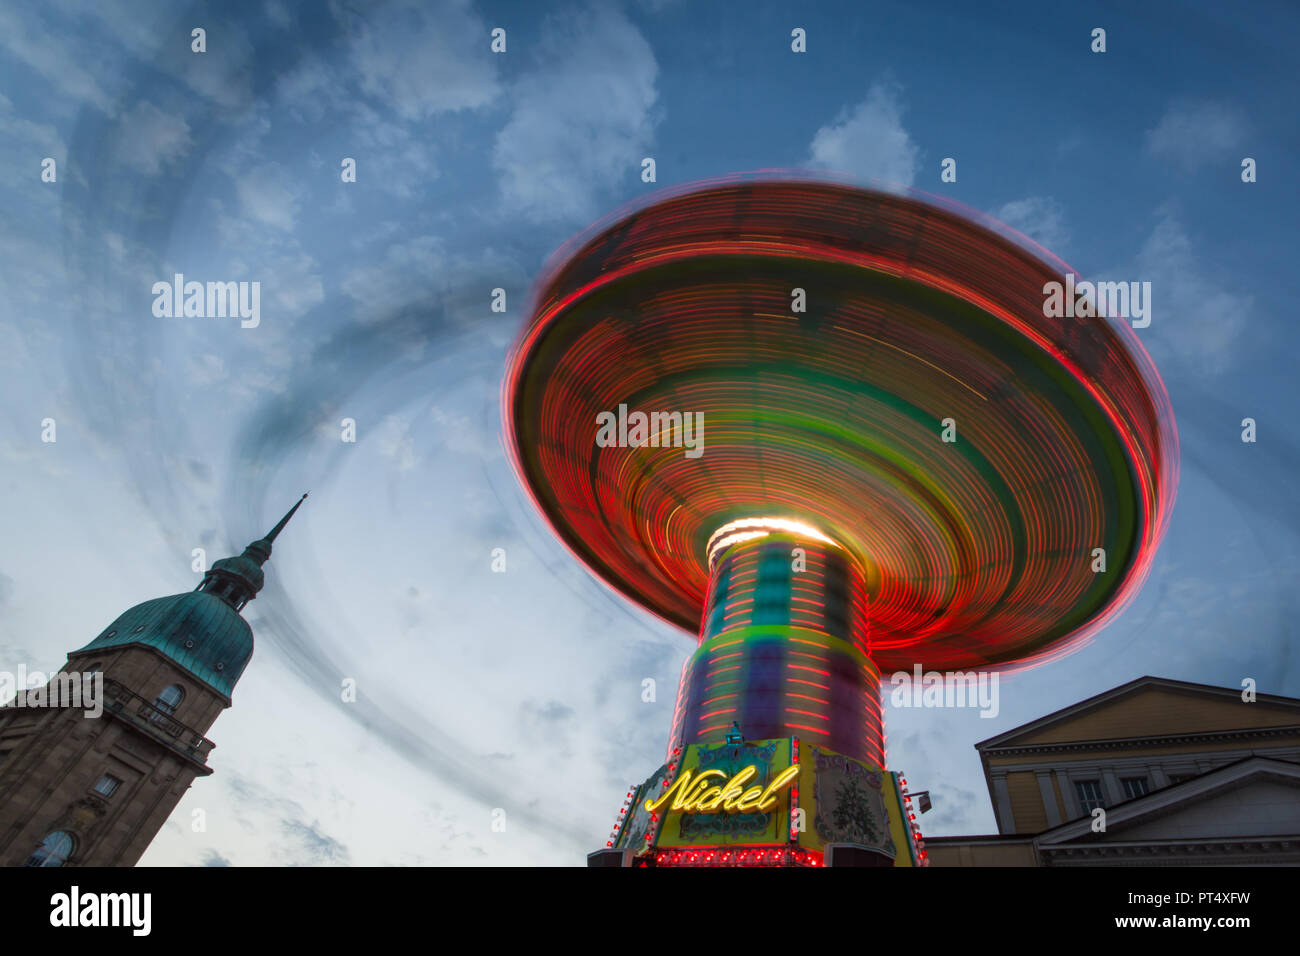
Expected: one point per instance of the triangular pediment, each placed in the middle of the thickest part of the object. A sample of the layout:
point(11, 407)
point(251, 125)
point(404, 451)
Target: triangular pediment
point(1151, 707)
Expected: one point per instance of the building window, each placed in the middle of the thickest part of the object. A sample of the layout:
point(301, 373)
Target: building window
point(54, 850)
point(1089, 792)
point(170, 699)
point(1180, 777)
point(107, 785)
point(1134, 786)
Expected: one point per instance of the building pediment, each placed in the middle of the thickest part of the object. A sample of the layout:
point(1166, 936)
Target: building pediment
point(1150, 707)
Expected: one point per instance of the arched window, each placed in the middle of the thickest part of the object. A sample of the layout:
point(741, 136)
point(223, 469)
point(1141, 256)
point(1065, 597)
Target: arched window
point(54, 850)
point(170, 699)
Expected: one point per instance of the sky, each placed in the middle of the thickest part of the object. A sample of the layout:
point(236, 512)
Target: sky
point(515, 697)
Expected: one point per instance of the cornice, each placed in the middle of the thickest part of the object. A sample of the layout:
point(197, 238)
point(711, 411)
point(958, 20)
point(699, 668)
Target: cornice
point(1125, 743)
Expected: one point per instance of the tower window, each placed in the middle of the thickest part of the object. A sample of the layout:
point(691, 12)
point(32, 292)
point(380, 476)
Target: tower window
point(54, 850)
point(170, 699)
point(107, 785)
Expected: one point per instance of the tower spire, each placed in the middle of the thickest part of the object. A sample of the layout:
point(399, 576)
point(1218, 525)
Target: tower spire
point(237, 580)
point(270, 535)
point(260, 550)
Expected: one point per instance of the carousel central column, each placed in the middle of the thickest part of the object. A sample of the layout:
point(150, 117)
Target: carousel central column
point(783, 649)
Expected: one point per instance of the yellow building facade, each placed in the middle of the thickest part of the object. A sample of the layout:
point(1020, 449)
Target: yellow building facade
point(1155, 772)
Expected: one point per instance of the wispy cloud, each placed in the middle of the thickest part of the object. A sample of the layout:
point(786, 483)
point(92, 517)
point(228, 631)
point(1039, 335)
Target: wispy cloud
point(149, 139)
point(310, 845)
point(1194, 134)
point(423, 59)
point(582, 119)
point(1041, 218)
point(868, 140)
point(1196, 317)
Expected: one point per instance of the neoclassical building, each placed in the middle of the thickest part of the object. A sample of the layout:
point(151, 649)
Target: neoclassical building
point(80, 788)
point(1185, 774)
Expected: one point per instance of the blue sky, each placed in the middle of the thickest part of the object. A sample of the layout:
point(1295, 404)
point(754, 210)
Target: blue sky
point(522, 691)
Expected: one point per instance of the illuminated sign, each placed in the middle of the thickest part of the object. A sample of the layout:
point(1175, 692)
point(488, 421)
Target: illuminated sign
point(706, 794)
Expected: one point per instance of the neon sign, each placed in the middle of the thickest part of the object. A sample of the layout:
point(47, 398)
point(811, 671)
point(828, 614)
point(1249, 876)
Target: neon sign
point(704, 794)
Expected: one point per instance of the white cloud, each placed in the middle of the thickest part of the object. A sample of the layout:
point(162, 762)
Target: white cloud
point(1196, 134)
point(148, 138)
point(48, 52)
point(23, 143)
point(1041, 218)
point(205, 370)
point(461, 434)
point(269, 195)
point(420, 62)
point(395, 160)
point(224, 73)
point(414, 270)
point(868, 141)
point(1192, 316)
point(582, 118)
point(395, 443)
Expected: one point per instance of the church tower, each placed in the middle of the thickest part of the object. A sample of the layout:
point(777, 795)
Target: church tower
point(93, 763)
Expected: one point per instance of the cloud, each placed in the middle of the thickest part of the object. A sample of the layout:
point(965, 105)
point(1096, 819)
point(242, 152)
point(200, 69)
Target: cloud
point(316, 846)
point(1192, 316)
point(6, 589)
point(268, 195)
point(409, 271)
point(420, 62)
point(551, 712)
point(148, 138)
point(582, 119)
point(205, 369)
point(213, 858)
point(1195, 134)
point(224, 73)
point(393, 437)
point(396, 161)
point(20, 137)
point(868, 141)
point(290, 277)
point(45, 49)
point(549, 725)
point(1041, 218)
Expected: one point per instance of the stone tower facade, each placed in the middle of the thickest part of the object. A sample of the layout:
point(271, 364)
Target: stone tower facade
point(93, 763)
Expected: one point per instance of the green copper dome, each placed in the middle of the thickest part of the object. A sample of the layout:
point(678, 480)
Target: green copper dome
point(197, 630)
point(202, 630)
